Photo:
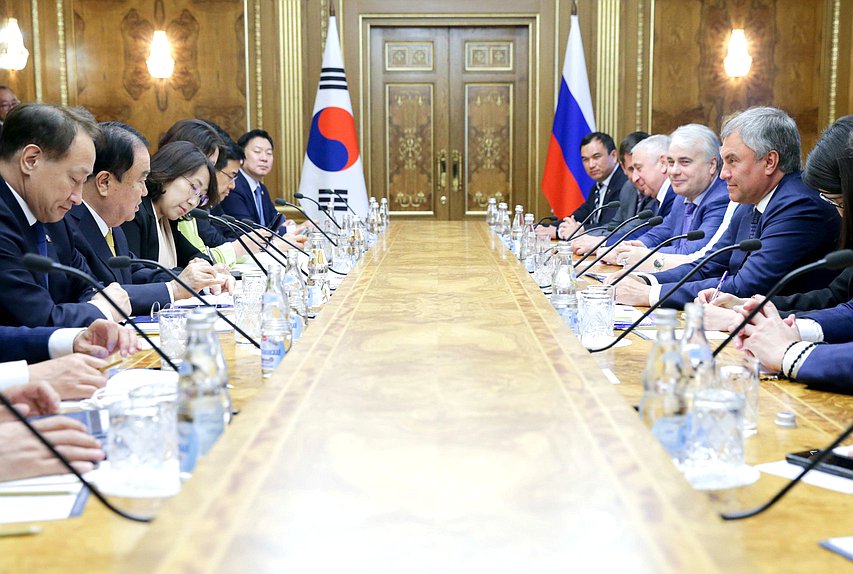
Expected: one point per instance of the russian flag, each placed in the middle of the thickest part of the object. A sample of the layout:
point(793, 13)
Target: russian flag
point(565, 183)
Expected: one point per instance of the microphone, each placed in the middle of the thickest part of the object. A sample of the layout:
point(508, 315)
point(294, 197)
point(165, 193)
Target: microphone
point(65, 462)
point(550, 219)
point(645, 214)
point(202, 214)
point(342, 198)
point(590, 230)
point(611, 205)
point(835, 260)
point(123, 262)
point(280, 201)
point(41, 264)
point(778, 496)
point(694, 235)
point(298, 195)
point(745, 245)
point(656, 220)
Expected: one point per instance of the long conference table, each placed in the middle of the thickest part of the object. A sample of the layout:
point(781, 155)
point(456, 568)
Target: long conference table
point(438, 416)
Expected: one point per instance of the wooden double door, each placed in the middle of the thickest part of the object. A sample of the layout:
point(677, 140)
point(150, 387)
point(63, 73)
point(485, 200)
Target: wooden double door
point(449, 123)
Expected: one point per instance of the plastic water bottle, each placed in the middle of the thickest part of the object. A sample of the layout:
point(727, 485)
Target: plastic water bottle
point(384, 218)
point(517, 230)
point(492, 213)
point(317, 284)
point(293, 285)
point(527, 251)
point(373, 223)
point(276, 336)
point(221, 365)
point(698, 369)
point(564, 287)
point(503, 223)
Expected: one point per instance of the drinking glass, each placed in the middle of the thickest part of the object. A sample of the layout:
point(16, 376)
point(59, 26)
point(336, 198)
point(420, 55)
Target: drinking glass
point(741, 375)
point(172, 322)
point(253, 282)
point(247, 315)
point(595, 315)
point(714, 457)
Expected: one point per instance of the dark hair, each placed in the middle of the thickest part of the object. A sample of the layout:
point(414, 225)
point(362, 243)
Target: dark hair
point(230, 149)
point(114, 150)
point(252, 134)
point(194, 131)
point(605, 139)
point(174, 160)
point(52, 128)
point(829, 167)
point(628, 143)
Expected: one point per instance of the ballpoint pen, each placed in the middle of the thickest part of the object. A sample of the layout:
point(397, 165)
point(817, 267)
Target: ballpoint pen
point(719, 285)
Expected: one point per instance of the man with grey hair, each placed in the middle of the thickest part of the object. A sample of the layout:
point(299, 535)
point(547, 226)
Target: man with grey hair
point(693, 161)
point(761, 168)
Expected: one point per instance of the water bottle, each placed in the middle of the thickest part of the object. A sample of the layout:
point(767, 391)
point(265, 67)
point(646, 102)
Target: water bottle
point(275, 323)
point(564, 286)
point(492, 213)
point(384, 219)
point(527, 251)
point(201, 417)
point(373, 223)
point(516, 230)
point(503, 224)
point(293, 285)
point(698, 367)
point(661, 408)
point(318, 287)
point(221, 364)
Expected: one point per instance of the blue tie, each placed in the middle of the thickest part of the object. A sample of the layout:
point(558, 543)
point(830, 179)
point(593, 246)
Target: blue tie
point(41, 242)
point(259, 203)
point(687, 222)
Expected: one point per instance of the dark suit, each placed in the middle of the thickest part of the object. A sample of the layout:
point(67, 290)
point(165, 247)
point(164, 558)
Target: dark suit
point(614, 188)
point(829, 367)
point(630, 231)
point(26, 298)
point(796, 228)
point(144, 286)
point(838, 292)
point(240, 203)
point(707, 217)
point(28, 344)
point(142, 240)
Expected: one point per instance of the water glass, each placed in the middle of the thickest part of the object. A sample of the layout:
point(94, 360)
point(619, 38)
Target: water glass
point(596, 309)
point(741, 375)
point(544, 261)
point(247, 315)
point(172, 322)
point(714, 457)
point(253, 282)
point(142, 445)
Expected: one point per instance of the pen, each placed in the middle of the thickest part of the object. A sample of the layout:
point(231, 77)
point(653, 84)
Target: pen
point(719, 285)
point(26, 531)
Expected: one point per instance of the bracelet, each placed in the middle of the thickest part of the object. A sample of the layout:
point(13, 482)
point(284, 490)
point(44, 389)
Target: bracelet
point(797, 360)
point(788, 348)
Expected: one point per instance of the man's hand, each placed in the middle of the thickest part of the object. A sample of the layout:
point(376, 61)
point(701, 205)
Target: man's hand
point(725, 300)
point(36, 397)
point(719, 318)
point(73, 377)
point(228, 283)
point(298, 240)
point(24, 456)
point(632, 291)
point(115, 292)
point(767, 336)
point(583, 245)
point(567, 227)
point(103, 338)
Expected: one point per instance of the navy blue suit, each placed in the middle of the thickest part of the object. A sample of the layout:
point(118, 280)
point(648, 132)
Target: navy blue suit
point(25, 343)
point(830, 367)
point(144, 286)
point(663, 209)
point(27, 299)
point(240, 203)
point(796, 228)
point(708, 216)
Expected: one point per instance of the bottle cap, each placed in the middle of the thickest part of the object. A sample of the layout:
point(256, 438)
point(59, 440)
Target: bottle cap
point(786, 419)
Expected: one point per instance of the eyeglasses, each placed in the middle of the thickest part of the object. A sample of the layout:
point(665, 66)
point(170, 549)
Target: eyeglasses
point(9, 105)
point(200, 196)
point(228, 175)
point(832, 199)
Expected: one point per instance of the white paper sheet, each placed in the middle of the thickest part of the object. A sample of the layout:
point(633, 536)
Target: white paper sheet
point(787, 470)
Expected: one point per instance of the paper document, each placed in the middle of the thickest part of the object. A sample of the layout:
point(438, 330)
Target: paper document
point(44, 498)
point(787, 470)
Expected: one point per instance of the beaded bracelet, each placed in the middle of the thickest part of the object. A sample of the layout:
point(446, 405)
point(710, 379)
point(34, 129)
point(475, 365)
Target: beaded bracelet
point(797, 360)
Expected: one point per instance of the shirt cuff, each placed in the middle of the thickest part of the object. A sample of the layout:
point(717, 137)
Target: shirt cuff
point(792, 355)
point(170, 290)
point(654, 294)
point(105, 308)
point(810, 330)
point(14, 373)
point(225, 254)
point(61, 342)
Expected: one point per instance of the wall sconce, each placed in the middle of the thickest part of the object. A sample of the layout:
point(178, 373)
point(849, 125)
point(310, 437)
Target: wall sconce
point(160, 63)
point(738, 60)
point(13, 54)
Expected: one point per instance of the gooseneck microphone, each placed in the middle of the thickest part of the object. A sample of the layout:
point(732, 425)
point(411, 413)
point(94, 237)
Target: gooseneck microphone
point(66, 463)
point(611, 205)
point(41, 264)
point(745, 245)
point(298, 195)
point(280, 201)
point(585, 232)
point(835, 260)
point(549, 218)
point(694, 235)
point(123, 262)
point(645, 214)
point(342, 198)
point(656, 220)
point(250, 226)
point(202, 214)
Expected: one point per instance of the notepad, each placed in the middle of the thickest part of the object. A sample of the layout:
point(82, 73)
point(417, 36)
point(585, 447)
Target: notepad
point(54, 497)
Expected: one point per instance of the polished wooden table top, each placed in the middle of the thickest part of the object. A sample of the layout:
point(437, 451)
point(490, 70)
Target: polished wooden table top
point(439, 416)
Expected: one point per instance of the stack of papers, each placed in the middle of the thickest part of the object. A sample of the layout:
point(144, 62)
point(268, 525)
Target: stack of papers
point(52, 497)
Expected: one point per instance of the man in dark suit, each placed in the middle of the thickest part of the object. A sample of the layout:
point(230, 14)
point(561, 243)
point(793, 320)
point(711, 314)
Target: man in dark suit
point(761, 163)
point(46, 154)
point(250, 198)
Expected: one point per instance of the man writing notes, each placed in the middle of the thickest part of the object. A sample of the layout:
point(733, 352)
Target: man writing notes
point(761, 168)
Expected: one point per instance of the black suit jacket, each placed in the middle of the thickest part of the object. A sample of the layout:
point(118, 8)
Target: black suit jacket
point(144, 286)
point(838, 292)
point(614, 188)
point(26, 299)
point(142, 240)
point(240, 203)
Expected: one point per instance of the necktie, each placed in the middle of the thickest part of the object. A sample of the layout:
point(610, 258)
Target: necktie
point(41, 242)
point(753, 225)
point(687, 222)
point(599, 201)
point(110, 243)
point(259, 203)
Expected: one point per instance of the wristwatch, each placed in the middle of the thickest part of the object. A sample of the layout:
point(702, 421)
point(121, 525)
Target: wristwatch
point(658, 263)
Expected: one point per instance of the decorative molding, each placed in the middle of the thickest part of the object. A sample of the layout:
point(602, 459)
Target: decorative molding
point(482, 56)
point(833, 61)
point(37, 63)
point(651, 62)
point(63, 59)
point(638, 94)
point(409, 57)
point(292, 148)
point(259, 83)
point(607, 90)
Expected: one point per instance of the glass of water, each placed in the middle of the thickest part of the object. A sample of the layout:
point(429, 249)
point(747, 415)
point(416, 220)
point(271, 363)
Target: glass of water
point(172, 322)
point(247, 315)
point(741, 375)
point(595, 315)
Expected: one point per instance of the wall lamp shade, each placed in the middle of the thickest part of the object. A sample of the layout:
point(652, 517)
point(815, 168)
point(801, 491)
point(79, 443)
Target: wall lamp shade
point(738, 60)
point(13, 54)
point(160, 62)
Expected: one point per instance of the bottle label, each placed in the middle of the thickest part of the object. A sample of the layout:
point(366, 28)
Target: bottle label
point(272, 352)
point(296, 325)
point(315, 296)
point(208, 421)
point(187, 445)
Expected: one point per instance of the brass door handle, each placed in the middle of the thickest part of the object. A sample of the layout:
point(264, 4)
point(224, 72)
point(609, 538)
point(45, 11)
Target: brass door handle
point(441, 168)
point(456, 170)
